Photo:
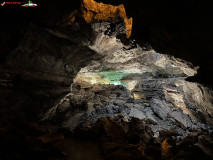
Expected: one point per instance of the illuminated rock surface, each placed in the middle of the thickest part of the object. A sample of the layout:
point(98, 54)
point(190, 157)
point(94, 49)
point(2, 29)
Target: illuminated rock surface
point(92, 11)
point(135, 82)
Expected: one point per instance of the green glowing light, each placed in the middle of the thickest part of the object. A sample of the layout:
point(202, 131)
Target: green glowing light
point(113, 77)
point(106, 75)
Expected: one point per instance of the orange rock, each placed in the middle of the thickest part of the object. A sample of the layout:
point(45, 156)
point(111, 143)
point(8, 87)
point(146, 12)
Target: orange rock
point(141, 149)
point(166, 150)
point(92, 10)
point(70, 18)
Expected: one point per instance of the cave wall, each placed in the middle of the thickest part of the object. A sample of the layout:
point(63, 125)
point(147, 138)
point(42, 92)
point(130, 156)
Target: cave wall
point(180, 28)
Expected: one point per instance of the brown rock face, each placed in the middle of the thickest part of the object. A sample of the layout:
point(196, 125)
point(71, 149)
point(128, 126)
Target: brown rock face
point(92, 10)
point(119, 138)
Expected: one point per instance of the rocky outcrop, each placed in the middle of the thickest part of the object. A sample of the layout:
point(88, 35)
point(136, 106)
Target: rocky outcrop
point(92, 11)
point(122, 139)
point(116, 136)
point(99, 11)
point(182, 29)
point(138, 83)
point(39, 51)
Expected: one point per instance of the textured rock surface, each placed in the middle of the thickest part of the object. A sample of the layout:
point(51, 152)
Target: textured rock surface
point(34, 75)
point(122, 139)
point(35, 53)
point(117, 136)
point(138, 83)
point(91, 10)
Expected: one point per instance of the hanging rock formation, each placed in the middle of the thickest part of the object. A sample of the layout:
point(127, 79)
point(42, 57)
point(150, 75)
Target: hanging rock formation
point(92, 11)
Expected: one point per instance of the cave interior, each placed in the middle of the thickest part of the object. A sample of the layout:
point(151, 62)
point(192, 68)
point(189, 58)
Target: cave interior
point(106, 79)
